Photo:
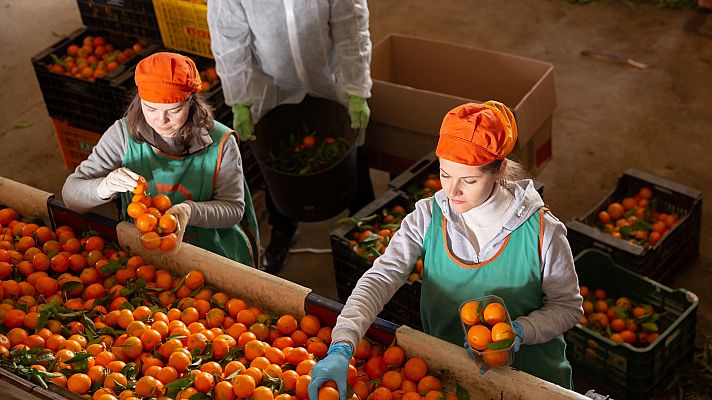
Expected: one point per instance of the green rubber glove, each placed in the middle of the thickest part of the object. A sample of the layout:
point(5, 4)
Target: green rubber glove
point(359, 112)
point(242, 121)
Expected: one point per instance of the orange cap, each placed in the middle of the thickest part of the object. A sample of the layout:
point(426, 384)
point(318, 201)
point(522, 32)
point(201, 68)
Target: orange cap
point(166, 78)
point(477, 134)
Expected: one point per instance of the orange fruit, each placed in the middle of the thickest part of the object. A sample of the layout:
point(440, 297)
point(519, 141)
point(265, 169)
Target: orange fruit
point(394, 356)
point(141, 185)
point(168, 242)
point(263, 393)
point(161, 202)
point(604, 217)
point(646, 193)
point(148, 386)
point(223, 391)
point(167, 374)
point(79, 383)
point(243, 386)
point(478, 336)
point(392, 380)
point(146, 222)
point(495, 358)
point(115, 378)
point(629, 203)
point(203, 382)
point(135, 210)
point(310, 324)
point(415, 369)
point(326, 392)
point(286, 324)
point(381, 393)
point(168, 223)
point(615, 210)
point(428, 383)
point(469, 313)
point(494, 313)
point(600, 294)
point(180, 359)
point(502, 331)
point(194, 279)
point(151, 240)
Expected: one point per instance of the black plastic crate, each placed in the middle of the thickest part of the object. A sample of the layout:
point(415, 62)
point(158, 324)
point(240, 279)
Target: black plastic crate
point(381, 331)
point(92, 105)
point(411, 180)
point(404, 306)
point(133, 17)
point(625, 370)
point(677, 248)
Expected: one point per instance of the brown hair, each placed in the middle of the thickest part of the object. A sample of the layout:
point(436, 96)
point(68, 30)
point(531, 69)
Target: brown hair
point(200, 117)
point(513, 171)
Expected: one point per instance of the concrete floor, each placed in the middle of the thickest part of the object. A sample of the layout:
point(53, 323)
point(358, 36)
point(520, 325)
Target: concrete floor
point(609, 118)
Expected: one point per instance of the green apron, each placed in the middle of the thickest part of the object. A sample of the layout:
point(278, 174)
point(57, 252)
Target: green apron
point(513, 274)
point(193, 178)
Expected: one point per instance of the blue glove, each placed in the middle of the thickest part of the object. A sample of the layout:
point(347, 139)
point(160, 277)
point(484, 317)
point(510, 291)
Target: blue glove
point(242, 121)
point(518, 334)
point(484, 368)
point(334, 367)
point(359, 112)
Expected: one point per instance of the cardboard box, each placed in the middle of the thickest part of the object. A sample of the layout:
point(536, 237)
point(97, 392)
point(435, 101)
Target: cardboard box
point(417, 81)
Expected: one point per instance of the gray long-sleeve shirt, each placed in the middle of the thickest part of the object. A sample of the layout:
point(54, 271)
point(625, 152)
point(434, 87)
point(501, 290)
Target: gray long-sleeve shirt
point(223, 211)
point(562, 302)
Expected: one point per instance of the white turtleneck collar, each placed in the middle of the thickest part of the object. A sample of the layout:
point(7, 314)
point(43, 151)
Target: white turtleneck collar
point(485, 221)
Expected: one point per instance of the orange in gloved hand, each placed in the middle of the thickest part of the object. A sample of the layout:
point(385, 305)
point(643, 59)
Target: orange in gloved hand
point(158, 227)
point(477, 134)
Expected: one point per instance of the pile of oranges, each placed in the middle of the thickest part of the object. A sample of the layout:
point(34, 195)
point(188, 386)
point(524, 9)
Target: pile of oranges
point(634, 219)
point(426, 187)
point(93, 58)
point(376, 373)
point(373, 233)
point(619, 319)
point(149, 213)
point(79, 313)
point(308, 152)
point(488, 331)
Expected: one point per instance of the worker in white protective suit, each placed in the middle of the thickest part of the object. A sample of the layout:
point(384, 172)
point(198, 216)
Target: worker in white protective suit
point(273, 52)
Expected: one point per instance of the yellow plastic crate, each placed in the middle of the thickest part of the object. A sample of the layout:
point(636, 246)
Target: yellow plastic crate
point(184, 25)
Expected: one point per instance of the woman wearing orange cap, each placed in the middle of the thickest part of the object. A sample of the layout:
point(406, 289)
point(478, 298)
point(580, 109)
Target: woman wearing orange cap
point(486, 232)
point(169, 137)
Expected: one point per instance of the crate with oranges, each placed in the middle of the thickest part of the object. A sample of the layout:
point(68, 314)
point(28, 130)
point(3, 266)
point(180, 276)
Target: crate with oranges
point(488, 330)
point(159, 229)
point(634, 333)
point(357, 241)
point(84, 77)
point(647, 223)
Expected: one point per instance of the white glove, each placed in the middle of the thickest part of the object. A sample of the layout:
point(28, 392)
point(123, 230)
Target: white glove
point(118, 181)
point(182, 212)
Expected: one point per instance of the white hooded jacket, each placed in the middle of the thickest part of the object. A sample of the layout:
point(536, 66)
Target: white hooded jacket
point(273, 52)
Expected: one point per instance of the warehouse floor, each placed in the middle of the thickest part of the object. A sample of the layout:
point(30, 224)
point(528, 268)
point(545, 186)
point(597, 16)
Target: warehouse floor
point(610, 117)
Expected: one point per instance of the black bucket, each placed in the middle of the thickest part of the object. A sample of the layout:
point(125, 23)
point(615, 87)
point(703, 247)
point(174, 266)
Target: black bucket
point(312, 197)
